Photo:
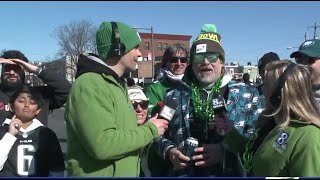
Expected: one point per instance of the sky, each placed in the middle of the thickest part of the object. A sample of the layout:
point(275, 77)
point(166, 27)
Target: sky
point(248, 29)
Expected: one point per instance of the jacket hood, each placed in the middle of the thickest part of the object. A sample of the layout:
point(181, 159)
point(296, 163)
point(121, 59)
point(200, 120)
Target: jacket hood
point(92, 63)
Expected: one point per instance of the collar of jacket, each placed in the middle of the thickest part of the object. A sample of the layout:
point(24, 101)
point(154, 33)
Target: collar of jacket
point(299, 121)
point(92, 63)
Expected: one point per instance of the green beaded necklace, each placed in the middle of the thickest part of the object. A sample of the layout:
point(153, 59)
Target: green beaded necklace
point(203, 108)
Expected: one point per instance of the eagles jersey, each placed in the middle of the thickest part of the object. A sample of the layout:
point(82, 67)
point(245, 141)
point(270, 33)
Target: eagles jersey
point(35, 152)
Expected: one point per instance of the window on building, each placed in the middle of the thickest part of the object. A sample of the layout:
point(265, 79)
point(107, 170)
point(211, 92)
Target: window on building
point(164, 46)
point(232, 71)
point(159, 46)
point(146, 45)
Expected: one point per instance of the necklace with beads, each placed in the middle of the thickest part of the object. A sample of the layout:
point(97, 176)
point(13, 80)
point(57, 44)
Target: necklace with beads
point(203, 108)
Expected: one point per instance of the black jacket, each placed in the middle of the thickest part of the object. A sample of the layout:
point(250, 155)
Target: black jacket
point(55, 94)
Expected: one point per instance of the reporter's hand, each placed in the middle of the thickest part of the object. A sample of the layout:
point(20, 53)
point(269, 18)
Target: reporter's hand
point(208, 155)
point(14, 126)
point(223, 124)
point(161, 124)
point(178, 159)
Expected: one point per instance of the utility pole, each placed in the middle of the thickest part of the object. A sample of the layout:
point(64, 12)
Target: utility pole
point(314, 30)
point(305, 36)
point(153, 55)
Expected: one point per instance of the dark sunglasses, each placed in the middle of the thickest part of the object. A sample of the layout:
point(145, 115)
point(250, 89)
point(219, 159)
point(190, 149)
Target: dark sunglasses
point(182, 59)
point(142, 104)
point(211, 57)
point(306, 60)
point(9, 67)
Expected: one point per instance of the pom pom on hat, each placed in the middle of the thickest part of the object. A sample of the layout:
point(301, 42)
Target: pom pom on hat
point(207, 41)
point(208, 28)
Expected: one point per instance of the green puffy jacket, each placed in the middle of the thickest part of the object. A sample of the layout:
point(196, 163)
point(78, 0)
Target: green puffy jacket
point(289, 152)
point(103, 136)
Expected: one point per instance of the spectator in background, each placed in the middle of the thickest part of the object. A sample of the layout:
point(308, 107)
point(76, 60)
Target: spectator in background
point(309, 54)
point(287, 140)
point(174, 63)
point(14, 65)
point(263, 61)
point(246, 79)
point(139, 102)
point(29, 148)
point(110, 145)
point(140, 105)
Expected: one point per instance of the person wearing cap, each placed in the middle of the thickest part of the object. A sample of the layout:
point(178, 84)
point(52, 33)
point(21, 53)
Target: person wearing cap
point(246, 79)
point(200, 101)
point(309, 54)
point(103, 136)
point(262, 63)
point(14, 64)
point(140, 105)
point(139, 102)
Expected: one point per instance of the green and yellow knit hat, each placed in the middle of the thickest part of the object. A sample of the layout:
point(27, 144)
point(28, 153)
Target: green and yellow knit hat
point(129, 37)
point(207, 41)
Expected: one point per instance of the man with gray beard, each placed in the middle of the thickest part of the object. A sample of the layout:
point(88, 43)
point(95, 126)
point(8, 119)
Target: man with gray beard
point(200, 99)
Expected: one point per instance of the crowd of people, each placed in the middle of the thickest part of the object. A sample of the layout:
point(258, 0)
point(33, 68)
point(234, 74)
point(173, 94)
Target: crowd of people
point(192, 122)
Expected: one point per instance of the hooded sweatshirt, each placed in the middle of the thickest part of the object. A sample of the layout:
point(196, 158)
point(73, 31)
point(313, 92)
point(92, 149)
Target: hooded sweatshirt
point(103, 136)
point(34, 151)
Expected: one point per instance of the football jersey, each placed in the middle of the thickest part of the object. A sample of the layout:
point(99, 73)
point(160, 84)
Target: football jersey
point(34, 153)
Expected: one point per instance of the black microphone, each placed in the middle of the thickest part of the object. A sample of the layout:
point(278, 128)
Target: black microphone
point(219, 107)
point(168, 109)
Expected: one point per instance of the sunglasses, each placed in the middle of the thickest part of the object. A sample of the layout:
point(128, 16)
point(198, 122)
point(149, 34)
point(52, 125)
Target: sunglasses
point(142, 104)
point(211, 57)
point(9, 67)
point(306, 60)
point(182, 59)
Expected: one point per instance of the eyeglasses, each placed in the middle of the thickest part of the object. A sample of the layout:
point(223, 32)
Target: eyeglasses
point(182, 59)
point(9, 67)
point(142, 104)
point(211, 57)
point(306, 60)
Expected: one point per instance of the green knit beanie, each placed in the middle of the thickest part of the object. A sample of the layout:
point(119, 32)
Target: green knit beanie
point(128, 37)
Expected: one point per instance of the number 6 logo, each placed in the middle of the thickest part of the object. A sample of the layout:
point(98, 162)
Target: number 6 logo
point(25, 167)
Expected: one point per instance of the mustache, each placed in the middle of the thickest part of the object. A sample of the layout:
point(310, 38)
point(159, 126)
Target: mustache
point(11, 76)
point(205, 68)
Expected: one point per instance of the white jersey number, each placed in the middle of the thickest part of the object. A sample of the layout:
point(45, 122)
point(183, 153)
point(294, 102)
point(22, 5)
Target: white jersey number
point(24, 161)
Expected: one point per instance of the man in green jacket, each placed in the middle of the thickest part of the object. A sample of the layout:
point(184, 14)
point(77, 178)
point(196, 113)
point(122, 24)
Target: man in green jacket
point(103, 136)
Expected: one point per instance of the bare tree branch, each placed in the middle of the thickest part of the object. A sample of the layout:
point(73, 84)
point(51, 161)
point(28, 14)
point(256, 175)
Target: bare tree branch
point(75, 38)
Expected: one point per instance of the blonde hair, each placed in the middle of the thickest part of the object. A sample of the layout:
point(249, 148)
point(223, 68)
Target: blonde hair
point(297, 99)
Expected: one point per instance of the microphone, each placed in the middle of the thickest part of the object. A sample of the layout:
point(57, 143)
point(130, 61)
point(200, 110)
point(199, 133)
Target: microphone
point(219, 107)
point(167, 110)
